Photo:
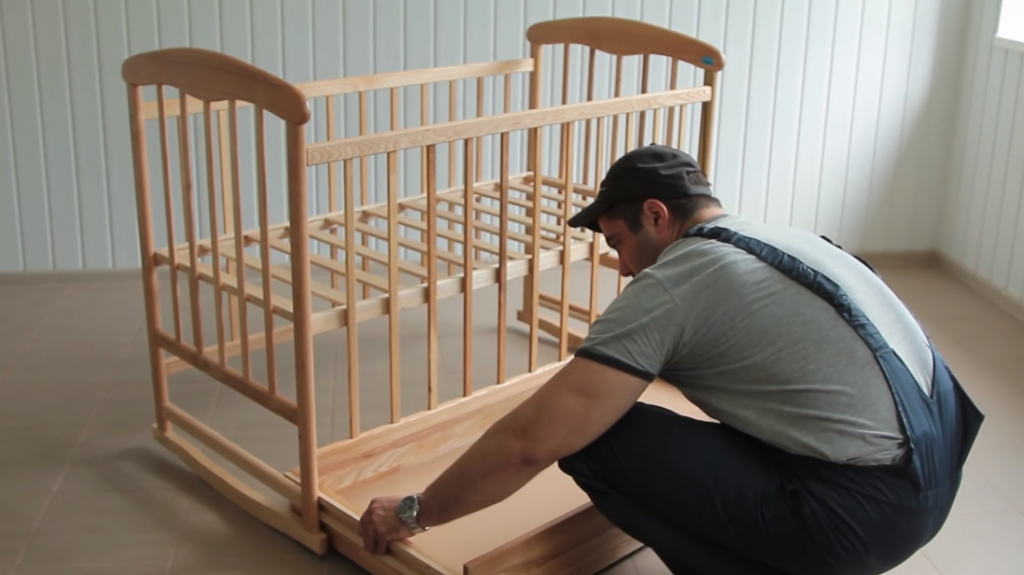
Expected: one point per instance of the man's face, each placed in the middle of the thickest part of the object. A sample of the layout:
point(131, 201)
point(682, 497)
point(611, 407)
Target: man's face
point(636, 252)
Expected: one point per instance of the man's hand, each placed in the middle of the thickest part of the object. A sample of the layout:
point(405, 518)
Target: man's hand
point(380, 525)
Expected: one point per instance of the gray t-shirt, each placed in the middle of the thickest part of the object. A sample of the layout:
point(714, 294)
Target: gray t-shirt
point(755, 350)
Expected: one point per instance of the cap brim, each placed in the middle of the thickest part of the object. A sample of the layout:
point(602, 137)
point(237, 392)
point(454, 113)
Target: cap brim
point(587, 217)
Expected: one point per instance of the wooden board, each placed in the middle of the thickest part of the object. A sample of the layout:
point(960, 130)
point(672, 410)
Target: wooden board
point(525, 533)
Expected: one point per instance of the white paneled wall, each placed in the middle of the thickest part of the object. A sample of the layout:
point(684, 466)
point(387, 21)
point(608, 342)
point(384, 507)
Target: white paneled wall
point(983, 227)
point(835, 116)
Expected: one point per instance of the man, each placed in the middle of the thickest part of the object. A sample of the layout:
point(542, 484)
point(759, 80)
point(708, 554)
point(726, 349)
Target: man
point(840, 433)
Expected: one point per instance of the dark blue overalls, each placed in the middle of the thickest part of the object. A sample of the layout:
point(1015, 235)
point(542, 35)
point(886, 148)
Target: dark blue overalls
point(721, 502)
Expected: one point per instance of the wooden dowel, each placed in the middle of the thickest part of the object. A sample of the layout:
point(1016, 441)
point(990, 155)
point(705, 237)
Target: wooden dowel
point(364, 179)
point(586, 137)
point(453, 93)
point(332, 182)
point(187, 191)
point(227, 222)
point(503, 259)
point(467, 321)
point(641, 136)
point(352, 335)
point(670, 124)
point(169, 208)
point(243, 316)
point(393, 287)
point(295, 143)
point(533, 304)
point(562, 174)
point(261, 191)
point(595, 262)
point(568, 150)
point(615, 120)
point(424, 120)
point(631, 142)
point(218, 289)
point(707, 129)
point(149, 278)
point(432, 334)
point(480, 95)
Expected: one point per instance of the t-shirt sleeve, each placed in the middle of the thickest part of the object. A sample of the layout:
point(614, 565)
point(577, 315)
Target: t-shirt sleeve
point(639, 332)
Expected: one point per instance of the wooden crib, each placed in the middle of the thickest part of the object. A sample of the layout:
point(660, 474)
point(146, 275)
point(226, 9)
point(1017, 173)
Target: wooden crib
point(367, 232)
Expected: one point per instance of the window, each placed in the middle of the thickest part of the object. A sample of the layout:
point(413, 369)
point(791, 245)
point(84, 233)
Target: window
point(1010, 32)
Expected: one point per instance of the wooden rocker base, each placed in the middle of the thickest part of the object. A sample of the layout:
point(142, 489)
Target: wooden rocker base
point(549, 526)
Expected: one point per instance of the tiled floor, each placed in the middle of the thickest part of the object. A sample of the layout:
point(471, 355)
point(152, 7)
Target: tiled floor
point(84, 489)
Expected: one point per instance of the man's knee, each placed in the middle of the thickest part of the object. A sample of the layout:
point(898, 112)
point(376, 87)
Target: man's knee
point(593, 465)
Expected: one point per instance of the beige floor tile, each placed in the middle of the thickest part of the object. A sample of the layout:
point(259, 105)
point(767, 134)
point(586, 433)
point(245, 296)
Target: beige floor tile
point(20, 512)
point(130, 568)
point(916, 565)
point(10, 552)
point(988, 543)
point(35, 462)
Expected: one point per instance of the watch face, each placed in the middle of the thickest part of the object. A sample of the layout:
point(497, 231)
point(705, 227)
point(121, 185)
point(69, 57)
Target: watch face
point(407, 506)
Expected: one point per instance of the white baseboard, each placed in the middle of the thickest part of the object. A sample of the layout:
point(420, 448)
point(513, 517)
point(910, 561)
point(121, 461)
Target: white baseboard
point(981, 285)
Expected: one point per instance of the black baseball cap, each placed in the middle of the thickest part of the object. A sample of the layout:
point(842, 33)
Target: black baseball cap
point(653, 172)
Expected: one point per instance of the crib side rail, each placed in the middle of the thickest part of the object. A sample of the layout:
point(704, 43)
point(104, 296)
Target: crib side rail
point(192, 205)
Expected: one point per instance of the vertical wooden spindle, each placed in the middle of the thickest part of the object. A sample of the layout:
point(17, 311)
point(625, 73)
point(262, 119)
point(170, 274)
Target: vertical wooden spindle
point(393, 287)
point(467, 321)
point(641, 136)
point(432, 334)
point(533, 292)
point(364, 181)
point(595, 256)
point(503, 258)
point(298, 231)
point(227, 201)
point(172, 251)
point(268, 294)
point(568, 152)
point(218, 286)
point(243, 316)
point(332, 186)
point(352, 301)
point(187, 190)
point(670, 124)
point(147, 249)
point(615, 119)
point(707, 128)
point(586, 136)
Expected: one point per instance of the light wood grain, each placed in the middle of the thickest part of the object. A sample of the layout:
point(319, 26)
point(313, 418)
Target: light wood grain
point(363, 146)
point(624, 37)
point(210, 76)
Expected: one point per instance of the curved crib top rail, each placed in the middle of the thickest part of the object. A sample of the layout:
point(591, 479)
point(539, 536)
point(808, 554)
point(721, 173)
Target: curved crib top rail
point(211, 76)
point(622, 37)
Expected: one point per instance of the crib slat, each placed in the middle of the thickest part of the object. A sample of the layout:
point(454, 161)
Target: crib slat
point(364, 179)
point(568, 150)
point(227, 222)
point(615, 119)
point(393, 287)
point(592, 56)
point(595, 244)
point(503, 259)
point(218, 289)
point(432, 335)
point(352, 336)
point(670, 124)
point(268, 315)
point(332, 182)
point(467, 322)
point(187, 190)
point(533, 303)
point(236, 203)
point(169, 208)
point(641, 136)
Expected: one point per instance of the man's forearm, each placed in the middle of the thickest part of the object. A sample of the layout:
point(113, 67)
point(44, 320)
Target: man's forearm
point(493, 468)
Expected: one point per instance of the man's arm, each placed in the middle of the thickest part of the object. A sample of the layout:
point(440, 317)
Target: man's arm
point(574, 408)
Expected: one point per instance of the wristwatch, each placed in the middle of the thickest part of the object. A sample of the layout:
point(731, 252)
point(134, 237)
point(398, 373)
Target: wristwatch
point(408, 512)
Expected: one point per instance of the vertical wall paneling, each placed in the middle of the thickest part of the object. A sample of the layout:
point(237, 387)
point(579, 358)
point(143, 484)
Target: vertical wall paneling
point(10, 212)
point(757, 145)
point(55, 111)
point(866, 108)
point(814, 107)
point(788, 98)
point(984, 216)
point(892, 124)
point(22, 70)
